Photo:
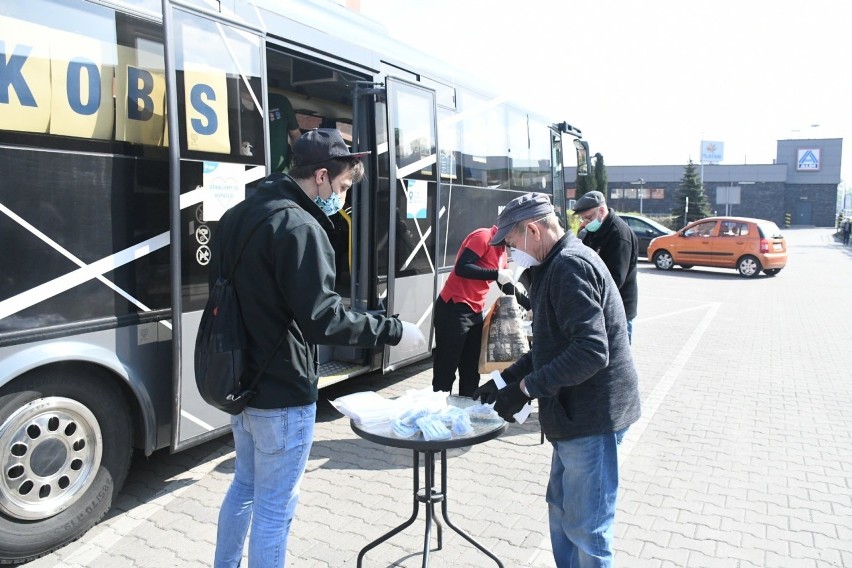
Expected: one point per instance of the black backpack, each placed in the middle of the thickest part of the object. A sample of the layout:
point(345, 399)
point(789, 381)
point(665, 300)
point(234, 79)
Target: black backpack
point(220, 346)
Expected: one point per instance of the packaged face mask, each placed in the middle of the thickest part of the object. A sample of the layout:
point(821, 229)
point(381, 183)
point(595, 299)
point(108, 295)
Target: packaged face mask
point(433, 429)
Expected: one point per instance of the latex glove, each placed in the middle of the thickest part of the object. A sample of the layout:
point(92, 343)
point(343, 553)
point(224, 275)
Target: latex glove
point(505, 276)
point(510, 401)
point(487, 393)
point(412, 338)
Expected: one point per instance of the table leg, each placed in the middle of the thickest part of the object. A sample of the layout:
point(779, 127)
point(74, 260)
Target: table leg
point(407, 523)
point(429, 472)
point(466, 536)
point(429, 497)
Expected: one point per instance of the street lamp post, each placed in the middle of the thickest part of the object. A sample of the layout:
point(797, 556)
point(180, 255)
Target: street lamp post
point(640, 182)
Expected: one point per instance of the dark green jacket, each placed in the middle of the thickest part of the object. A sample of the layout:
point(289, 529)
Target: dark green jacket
point(285, 285)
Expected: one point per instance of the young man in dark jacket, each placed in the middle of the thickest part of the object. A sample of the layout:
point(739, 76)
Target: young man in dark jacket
point(581, 371)
point(616, 243)
point(285, 285)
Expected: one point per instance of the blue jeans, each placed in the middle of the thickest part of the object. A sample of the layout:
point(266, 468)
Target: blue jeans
point(630, 332)
point(581, 497)
point(272, 452)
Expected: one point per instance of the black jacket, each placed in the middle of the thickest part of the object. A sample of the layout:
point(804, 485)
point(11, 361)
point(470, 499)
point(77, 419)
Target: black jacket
point(618, 247)
point(580, 366)
point(285, 285)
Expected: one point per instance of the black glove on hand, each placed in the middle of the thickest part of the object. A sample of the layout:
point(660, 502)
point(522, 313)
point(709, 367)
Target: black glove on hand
point(487, 393)
point(510, 400)
point(509, 377)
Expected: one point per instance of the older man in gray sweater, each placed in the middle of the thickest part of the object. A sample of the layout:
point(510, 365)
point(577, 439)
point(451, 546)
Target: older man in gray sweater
point(581, 371)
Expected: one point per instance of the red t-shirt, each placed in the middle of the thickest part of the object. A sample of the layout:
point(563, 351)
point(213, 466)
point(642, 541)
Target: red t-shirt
point(469, 291)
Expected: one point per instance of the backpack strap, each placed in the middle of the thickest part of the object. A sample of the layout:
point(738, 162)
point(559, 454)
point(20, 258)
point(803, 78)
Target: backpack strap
point(249, 389)
point(251, 234)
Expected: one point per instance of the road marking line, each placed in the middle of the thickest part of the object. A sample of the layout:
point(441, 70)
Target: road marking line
point(543, 553)
point(652, 403)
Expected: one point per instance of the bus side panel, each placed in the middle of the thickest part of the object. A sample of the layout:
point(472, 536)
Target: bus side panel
point(83, 236)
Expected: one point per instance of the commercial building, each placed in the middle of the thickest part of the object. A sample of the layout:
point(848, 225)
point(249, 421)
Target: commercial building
point(802, 183)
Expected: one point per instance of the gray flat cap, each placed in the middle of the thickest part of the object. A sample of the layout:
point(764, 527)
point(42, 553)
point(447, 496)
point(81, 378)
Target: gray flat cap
point(589, 201)
point(527, 206)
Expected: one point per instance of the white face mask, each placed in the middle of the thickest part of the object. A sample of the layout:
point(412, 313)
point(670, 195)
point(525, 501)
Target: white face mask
point(523, 259)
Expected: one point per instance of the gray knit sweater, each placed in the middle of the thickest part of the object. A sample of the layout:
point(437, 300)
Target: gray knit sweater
point(580, 367)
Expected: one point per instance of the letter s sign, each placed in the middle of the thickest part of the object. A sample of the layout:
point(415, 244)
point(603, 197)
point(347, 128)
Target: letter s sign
point(206, 109)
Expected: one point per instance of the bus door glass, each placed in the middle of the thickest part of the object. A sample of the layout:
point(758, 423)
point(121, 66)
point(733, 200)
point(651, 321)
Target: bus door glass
point(557, 166)
point(218, 87)
point(413, 199)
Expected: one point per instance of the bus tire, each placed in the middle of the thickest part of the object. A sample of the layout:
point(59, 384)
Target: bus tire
point(47, 422)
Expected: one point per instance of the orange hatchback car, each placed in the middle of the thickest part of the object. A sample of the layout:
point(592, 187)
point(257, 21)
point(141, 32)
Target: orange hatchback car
point(747, 245)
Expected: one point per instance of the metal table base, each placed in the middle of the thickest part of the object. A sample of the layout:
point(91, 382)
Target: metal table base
point(429, 496)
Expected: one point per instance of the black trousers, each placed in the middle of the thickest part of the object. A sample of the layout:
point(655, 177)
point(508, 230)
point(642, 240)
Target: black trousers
point(458, 337)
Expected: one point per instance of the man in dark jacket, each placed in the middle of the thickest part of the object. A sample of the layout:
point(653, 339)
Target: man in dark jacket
point(581, 371)
point(285, 285)
point(616, 243)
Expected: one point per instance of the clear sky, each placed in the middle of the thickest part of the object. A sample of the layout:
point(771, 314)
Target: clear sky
point(646, 81)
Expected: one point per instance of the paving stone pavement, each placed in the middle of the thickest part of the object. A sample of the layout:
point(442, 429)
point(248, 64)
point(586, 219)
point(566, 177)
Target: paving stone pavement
point(741, 459)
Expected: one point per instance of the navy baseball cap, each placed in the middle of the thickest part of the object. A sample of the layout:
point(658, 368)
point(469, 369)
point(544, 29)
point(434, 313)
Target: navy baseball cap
point(321, 144)
point(528, 206)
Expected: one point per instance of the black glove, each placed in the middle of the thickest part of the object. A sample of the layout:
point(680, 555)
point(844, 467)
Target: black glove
point(509, 376)
point(510, 401)
point(487, 393)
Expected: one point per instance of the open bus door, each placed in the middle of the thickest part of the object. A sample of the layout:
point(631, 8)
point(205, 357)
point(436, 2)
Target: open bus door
point(215, 92)
point(413, 204)
point(558, 173)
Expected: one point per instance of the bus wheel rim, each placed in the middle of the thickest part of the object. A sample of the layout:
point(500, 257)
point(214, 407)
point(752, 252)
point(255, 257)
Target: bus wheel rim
point(51, 452)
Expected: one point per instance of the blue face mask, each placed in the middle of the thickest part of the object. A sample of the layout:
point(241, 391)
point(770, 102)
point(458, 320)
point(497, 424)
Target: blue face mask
point(331, 205)
point(593, 226)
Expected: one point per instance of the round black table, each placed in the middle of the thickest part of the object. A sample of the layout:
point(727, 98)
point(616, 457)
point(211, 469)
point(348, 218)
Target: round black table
point(483, 430)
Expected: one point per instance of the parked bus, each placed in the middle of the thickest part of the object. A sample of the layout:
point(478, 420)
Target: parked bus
point(126, 130)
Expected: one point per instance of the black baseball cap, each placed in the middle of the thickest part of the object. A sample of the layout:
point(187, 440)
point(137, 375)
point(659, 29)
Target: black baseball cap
point(321, 144)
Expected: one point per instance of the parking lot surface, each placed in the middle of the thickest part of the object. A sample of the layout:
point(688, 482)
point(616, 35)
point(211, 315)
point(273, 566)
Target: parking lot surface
point(741, 458)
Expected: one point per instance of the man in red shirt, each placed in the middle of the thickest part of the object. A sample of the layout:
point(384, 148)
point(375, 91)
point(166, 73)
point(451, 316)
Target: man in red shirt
point(458, 310)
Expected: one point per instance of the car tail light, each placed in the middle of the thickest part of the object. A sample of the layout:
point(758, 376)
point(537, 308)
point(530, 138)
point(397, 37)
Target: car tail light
point(764, 246)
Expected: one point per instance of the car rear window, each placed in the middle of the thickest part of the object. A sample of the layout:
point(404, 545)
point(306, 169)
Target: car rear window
point(769, 230)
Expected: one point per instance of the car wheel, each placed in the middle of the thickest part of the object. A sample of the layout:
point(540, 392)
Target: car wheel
point(748, 266)
point(771, 271)
point(65, 444)
point(663, 260)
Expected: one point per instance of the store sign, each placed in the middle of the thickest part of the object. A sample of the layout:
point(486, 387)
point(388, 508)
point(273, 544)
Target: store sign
point(808, 160)
point(712, 152)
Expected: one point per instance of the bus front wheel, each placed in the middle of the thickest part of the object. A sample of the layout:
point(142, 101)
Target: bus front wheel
point(65, 446)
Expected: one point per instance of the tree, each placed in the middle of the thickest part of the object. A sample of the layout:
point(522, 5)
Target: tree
point(584, 185)
point(596, 180)
point(600, 174)
point(691, 187)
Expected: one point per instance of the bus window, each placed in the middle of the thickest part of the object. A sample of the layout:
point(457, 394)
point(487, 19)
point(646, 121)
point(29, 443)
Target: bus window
point(91, 184)
point(219, 91)
point(485, 159)
point(415, 151)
